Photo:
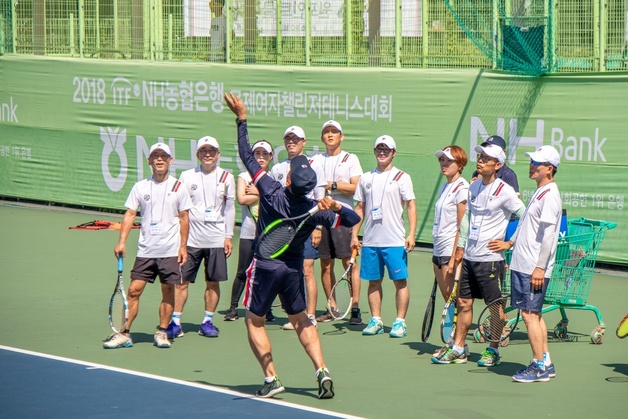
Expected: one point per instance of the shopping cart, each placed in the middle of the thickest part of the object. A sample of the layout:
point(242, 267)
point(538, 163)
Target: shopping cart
point(571, 279)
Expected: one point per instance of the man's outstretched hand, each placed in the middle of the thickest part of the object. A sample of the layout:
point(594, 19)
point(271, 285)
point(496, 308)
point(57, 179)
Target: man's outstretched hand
point(236, 105)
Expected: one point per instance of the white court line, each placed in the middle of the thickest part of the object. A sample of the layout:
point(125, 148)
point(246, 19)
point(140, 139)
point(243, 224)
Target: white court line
point(206, 387)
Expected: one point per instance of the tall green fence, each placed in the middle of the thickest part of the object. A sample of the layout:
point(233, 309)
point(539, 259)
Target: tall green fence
point(579, 35)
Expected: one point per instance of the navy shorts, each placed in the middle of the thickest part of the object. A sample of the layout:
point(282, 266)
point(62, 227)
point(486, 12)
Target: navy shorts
point(481, 280)
point(335, 243)
point(214, 260)
point(267, 278)
point(440, 261)
point(148, 269)
point(309, 252)
point(523, 296)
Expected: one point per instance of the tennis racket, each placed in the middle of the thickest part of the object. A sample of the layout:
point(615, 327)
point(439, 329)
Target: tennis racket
point(498, 320)
point(622, 329)
point(341, 295)
point(428, 317)
point(118, 305)
point(278, 235)
point(450, 312)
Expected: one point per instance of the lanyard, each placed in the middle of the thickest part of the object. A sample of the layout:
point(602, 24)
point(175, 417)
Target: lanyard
point(339, 159)
point(383, 189)
point(163, 203)
point(203, 186)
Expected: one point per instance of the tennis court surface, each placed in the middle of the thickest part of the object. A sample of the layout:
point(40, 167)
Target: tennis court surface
point(56, 285)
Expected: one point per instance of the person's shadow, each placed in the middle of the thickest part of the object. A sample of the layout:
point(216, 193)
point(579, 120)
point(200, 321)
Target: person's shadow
point(618, 368)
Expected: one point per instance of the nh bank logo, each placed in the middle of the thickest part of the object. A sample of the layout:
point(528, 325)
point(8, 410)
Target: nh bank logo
point(8, 111)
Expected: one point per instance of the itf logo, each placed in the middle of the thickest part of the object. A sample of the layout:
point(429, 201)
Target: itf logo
point(114, 141)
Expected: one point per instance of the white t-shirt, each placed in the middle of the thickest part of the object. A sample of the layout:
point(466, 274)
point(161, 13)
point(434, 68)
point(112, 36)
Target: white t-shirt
point(384, 192)
point(247, 231)
point(217, 35)
point(280, 170)
point(446, 215)
point(490, 207)
point(341, 167)
point(545, 206)
point(209, 193)
point(159, 205)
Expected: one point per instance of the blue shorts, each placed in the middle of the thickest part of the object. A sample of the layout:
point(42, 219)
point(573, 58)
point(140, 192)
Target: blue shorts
point(374, 259)
point(267, 278)
point(309, 251)
point(522, 296)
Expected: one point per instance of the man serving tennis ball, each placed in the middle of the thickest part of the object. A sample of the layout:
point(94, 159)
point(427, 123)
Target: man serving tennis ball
point(283, 276)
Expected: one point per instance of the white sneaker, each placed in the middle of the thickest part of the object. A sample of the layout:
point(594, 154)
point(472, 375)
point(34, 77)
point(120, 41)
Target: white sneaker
point(313, 320)
point(161, 339)
point(118, 340)
point(287, 326)
point(290, 326)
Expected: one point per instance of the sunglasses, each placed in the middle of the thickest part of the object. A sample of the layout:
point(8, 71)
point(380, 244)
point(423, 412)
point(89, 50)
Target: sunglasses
point(538, 163)
point(484, 158)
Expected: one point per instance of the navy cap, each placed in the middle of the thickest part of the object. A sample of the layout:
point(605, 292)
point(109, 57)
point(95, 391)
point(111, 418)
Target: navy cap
point(497, 140)
point(302, 176)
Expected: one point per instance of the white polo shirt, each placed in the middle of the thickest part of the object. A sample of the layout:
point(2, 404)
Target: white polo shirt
point(341, 167)
point(446, 215)
point(280, 170)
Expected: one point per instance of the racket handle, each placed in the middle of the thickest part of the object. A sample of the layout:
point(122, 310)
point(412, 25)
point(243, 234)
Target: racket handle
point(120, 259)
point(354, 253)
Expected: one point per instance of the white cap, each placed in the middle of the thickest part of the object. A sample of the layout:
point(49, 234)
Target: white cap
point(387, 140)
point(160, 146)
point(332, 123)
point(446, 152)
point(545, 154)
point(263, 144)
point(492, 150)
point(298, 131)
point(207, 140)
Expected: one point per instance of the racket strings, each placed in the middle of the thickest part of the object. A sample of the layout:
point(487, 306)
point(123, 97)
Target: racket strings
point(118, 309)
point(622, 330)
point(342, 297)
point(273, 240)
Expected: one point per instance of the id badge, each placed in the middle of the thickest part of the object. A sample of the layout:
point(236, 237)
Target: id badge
point(377, 213)
point(155, 229)
point(474, 233)
point(211, 215)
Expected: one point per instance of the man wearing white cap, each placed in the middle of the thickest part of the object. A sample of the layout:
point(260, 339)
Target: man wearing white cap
point(294, 140)
point(533, 254)
point(164, 205)
point(381, 195)
point(489, 207)
point(343, 171)
point(212, 219)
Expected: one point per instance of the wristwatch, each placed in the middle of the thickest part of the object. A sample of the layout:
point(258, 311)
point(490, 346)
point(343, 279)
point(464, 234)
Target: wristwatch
point(240, 121)
point(334, 186)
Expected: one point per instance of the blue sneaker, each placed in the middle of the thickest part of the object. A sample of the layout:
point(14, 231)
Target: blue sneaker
point(174, 331)
point(208, 329)
point(399, 329)
point(551, 371)
point(375, 327)
point(532, 374)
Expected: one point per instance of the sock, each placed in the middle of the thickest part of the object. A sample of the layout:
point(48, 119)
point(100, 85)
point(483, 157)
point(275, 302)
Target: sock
point(459, 349)
point(176, 318)
point(377, 318)
point(208, 317)
point(546, 358)
point(494, 350)
point(319, 370)
point(270, 379)
point(540, 363)
point(399, 319)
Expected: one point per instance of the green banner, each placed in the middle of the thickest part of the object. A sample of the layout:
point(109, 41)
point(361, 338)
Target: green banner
point(78, 131)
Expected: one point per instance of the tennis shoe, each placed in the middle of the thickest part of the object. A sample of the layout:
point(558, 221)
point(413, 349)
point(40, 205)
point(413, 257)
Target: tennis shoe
point(118, 340)
point(325, 384)
point(161, 339)
point(489, 359)
point(208, 329)
point(231, 314)
point(532, 374)
point(356, 317)
point(270, 389)
point(399, 329)
point(441, 351)
point(327, 316)
point(375, 327)
point(174, 331)
point(287, 326)
point(270, 317)
point(450, 357)
point(290, 326)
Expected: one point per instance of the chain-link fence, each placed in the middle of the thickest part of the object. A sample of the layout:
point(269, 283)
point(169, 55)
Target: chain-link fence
point(578, 35)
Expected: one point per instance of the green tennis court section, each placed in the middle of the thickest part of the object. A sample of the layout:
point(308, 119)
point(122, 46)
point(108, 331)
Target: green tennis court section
point(56, 286)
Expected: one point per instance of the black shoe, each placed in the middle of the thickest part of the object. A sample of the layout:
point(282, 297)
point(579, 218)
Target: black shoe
point(356, 317)
point(232, 314)
point(325, 384)
point(270, 389)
